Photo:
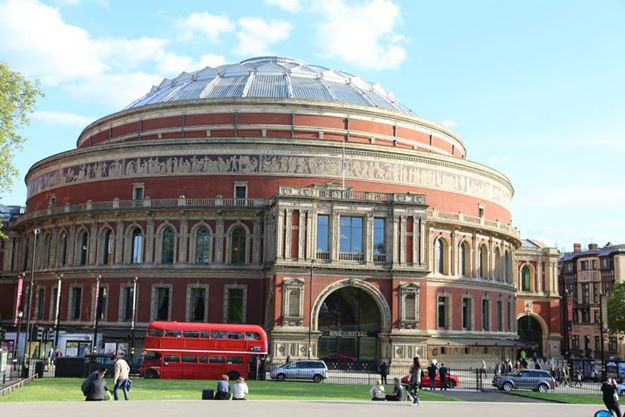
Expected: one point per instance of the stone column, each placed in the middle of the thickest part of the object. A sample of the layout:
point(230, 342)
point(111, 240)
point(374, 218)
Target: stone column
point(301, 244)
point(93, 239)
point(335, 237)
point(422, 241)
point(256, 236)
point(149, 244)
point(453, 262)
point(368, 238)
point(219, 240)
point(280, 235)
point(539, 276)
point(288, 234)
point(416, 247)
point(475, 254)
point(310, 248)
point(71, 244)
point(402, 239)
point(396, 237)
point(183, 240)
point(119, 241)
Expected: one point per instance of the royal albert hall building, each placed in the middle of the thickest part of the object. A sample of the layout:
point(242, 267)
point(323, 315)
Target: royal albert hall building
point(278, 193)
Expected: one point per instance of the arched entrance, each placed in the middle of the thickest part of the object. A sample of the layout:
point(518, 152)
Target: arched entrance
point(349, 321)
point(531, 332)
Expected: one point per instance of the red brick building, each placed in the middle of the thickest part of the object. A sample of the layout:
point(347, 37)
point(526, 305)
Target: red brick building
point(279, 193)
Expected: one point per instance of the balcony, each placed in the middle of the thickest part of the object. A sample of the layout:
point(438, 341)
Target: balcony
point(352, 256)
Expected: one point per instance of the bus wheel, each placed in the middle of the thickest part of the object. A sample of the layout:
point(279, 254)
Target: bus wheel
point(151, 374)
point(233, 375)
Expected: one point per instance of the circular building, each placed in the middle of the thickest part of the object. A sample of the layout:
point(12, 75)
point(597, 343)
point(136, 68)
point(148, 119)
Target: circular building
point(278, 193)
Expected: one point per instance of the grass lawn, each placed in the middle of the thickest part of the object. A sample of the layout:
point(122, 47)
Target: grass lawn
point(68, 389)
point(559, 397)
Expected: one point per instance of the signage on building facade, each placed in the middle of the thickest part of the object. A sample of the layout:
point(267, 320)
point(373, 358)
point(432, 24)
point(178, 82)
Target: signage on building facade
point(347, 333)
point(569, 308)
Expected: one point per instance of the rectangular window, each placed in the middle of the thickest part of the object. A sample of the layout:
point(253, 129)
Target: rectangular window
point(198, 304)
point(612, 345)
point(323, 247)
point(102, 303)
point(162, 303)
point(466, 314)
point(575, 343)
point(486, 315)
point(76, 303)
point(596, 290)
point(597, 317)
point(585, 293)
point(235, 306)
point(499, 316)
point(351, 238)
point(509, 316)
point(294, 302)
point(379, 240)
point(240, 191)
point(40, 303)
point(127, 296)
point(410, 308)
point(597, 344)
point(137, 192)
point(442, 313)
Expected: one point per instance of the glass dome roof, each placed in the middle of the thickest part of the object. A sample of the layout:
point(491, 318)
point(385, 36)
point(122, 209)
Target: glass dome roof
point(272, 77)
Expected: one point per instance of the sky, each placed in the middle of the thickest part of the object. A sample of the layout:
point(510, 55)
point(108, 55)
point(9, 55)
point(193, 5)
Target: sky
point(535, 88)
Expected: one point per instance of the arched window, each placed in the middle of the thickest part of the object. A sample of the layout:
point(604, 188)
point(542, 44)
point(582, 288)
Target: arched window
point(239, 241)
point(46, 251)
point(526, 278)
point(82, 250)
point(63, 249)
point(483, 262)
point(107, 247)
point(440, 256)
point(508, 266)
point(167, 251)
point(202, 245)
point(464, 259)
point(136, 249)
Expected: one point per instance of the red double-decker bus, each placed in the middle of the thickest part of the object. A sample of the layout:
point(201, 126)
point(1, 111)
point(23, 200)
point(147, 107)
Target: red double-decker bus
point(175, 350)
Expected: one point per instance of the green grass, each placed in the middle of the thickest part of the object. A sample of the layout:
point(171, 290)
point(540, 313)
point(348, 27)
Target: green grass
point(561, 397)
point(68, 389)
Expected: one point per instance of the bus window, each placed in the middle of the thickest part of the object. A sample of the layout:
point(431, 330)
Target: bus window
point(171, 358)
point(235, 359)
point(152, 355)
point(188, 358)
point(218, 335)
point(156, 332)
point(173, 333)
point(191, 334)
point(203, 359)
point(216, 359)
point(252, 336)
point(204, 335)
point(233, 335)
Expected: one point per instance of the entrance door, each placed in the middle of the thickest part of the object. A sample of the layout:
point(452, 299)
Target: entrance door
point(349, 320)
point(531, 333)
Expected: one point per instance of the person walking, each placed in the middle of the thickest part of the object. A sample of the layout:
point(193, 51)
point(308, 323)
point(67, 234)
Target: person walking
point(240, 389)
point(120, 377)
point(383, 371)
point(415, 380)
point(610, 396)
point(443, 371)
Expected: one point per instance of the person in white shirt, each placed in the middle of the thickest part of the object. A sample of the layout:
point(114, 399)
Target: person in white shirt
point(240, 389)
point(377, 391)
point(120, 378)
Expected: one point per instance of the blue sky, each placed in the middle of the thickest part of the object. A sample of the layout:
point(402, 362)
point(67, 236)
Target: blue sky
point(534, 88)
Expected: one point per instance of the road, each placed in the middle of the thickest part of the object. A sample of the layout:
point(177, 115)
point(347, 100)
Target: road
point(290, 408)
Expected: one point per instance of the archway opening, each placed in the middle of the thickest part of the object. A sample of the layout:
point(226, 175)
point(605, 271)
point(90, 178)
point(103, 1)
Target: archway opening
point(349, 322)
point(531, 333)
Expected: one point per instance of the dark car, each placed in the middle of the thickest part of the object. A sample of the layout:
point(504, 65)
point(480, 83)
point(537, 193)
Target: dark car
point(95, 362)
point(533, 379)
point(452, 381)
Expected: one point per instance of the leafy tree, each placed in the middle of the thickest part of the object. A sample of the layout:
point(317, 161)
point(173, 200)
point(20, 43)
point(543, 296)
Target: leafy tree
point(17, 98)
point(616, 309)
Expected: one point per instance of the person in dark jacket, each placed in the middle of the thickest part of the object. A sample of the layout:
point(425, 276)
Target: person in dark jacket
point(610, 396)
point(383, 370)
point(443, 371)
point(398, 391)
point(94, 387)
point(432, 375)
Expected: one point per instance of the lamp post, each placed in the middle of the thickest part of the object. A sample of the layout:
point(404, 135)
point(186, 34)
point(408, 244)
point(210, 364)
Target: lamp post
point(133, 318)
point(310, 307)
point(602, 329)
point(57, 310)
point(16, 348)
point(98, 310)
point(30, 293)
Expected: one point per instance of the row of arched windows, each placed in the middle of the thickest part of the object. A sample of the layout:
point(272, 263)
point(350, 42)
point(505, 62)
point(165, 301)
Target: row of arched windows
point(502, 262)
point(201, 246)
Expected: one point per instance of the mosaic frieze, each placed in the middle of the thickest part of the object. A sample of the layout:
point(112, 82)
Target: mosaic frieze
point(399, 172)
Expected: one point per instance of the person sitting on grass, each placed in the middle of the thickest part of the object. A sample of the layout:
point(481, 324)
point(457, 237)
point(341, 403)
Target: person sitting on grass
point(223, 388)
point(94, 386)
point(377, 391)
point(240, 390)
point(398, 391)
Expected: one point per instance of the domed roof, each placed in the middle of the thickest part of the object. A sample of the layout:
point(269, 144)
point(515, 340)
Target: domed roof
point(272, 77)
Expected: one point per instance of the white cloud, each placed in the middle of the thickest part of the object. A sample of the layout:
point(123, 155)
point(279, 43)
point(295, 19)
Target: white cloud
point(292, 6)
point(450, 124)
point(256, 35)
point(203, 23)
point(585, 198)
point(62, 118)
point(362, 34)
point(117, 90)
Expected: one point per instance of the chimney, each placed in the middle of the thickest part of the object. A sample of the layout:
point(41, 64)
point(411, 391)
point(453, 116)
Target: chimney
point(577, 247)
point(593, 246)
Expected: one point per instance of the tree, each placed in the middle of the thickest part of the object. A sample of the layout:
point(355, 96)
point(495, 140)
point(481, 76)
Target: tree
point(17, 98)
point(616, 309)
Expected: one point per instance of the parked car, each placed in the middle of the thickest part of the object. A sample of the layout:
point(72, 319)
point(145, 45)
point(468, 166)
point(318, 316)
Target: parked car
point(94, 362)
point(620, 388)
point(452, 381)
point(534, 379)
point(310, 369)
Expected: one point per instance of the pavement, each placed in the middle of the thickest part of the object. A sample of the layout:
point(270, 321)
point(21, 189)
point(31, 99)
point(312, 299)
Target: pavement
point(286, 408)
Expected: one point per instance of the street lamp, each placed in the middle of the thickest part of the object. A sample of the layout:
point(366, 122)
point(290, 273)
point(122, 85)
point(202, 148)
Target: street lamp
point(133, 318)
point(310, 308)
point(57, 310)
point(16, 347)
point(30, 292)
point(99, 293)
point(602, 327)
